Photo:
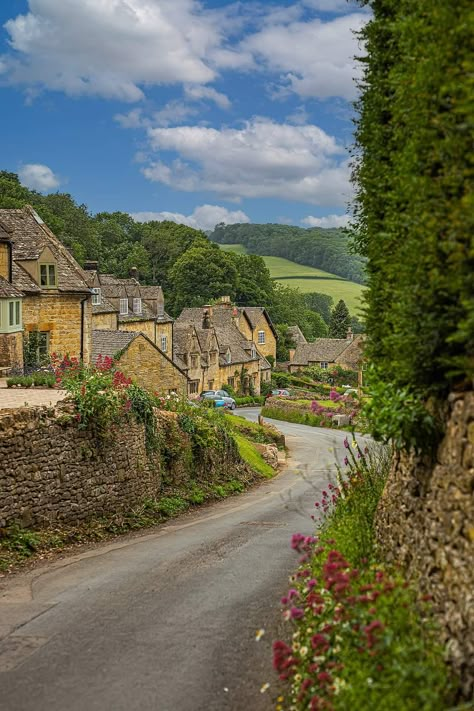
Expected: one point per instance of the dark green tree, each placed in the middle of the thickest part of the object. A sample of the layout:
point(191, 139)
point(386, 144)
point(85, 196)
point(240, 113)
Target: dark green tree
point(340, 321)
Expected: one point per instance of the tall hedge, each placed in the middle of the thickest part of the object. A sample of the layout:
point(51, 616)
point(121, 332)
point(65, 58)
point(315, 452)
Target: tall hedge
point(415, 205)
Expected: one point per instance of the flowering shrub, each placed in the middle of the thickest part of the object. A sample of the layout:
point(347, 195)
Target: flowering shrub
point(361, 639)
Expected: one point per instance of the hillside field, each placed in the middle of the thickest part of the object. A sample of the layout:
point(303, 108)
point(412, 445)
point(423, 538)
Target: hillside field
point(308, 279)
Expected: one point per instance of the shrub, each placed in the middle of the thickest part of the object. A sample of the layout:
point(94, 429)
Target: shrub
point(361, 638)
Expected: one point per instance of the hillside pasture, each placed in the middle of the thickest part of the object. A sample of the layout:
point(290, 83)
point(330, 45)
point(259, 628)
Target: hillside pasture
point(308, 279)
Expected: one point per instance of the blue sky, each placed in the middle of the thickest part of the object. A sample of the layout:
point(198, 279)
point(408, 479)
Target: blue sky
point(175, 109)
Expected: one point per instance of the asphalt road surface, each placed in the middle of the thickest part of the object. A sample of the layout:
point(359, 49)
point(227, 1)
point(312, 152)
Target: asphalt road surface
point(166, 621)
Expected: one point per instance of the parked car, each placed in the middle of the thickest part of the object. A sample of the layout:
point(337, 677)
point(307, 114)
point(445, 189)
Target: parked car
point(217, 395)
point(280, 392)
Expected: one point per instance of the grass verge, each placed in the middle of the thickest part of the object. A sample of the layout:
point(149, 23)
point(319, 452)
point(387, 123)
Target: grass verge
point(252, 457)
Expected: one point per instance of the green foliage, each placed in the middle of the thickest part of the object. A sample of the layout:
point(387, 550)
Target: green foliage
point(362, 639)
point(415, 209)
point(326, 249)
point(253, 458)
point(321, 303)
point(250, 400)
point(340, 321)
point(171, 506)
point(298, 417)
point(38, 378)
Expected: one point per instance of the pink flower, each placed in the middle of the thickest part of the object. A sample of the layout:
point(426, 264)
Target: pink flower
point(296, 613)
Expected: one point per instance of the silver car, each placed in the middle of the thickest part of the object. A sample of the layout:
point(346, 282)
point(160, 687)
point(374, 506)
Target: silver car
point(219, 395)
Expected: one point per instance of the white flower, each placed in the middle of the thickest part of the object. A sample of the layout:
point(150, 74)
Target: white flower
point(259, 634)
point(264, 687)
point(304, 651)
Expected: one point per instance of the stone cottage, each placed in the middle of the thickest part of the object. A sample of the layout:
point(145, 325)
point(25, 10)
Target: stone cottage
point(327, 352)
point(42, 292)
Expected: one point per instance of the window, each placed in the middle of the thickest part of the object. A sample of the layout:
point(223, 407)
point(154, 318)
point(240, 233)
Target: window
point(194, 361)
point(213, 358)
point(323, 365)
point(123, 307)
point(96, 296)
point(231, 382)
point(14, 313)
point(228, 357)
point(253, 352)
point(194, 387)
point(261, 337)
point(47, 275)
point(43, 346)
point(210, 385)
point(164, 343)
point(137, 306)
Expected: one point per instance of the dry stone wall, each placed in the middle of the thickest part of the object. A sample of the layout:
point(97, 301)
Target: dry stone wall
point(426, 523)
point(51, 470)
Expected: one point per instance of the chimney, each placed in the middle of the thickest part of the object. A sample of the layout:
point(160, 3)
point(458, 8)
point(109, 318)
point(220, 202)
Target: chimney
point(91, 266)
point(206, 318)
point(235, 316)
point(292, 353)
point(134, 273)
point(350, 335)
point(225, 301)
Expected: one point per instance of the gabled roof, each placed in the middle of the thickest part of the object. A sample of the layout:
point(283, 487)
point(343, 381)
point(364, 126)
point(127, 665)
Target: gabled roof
point(109, 343)
point(296, 335)
point(324, 350)
point(254, 314)
point(30, 237)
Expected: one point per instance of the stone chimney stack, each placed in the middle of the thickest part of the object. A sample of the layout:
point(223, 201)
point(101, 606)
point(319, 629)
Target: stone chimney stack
point(292, 352)
point(225, 301)
point(350, 335)
point(91, 266)
point(206, 317)
point(235, 316)
point(134, 273)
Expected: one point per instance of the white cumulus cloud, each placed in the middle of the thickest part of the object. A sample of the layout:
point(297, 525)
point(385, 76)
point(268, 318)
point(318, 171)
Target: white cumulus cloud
point(111, 48)
point(38, 177)
point(204, 217)
point(314, 58)
point(261, 159)
point(326, 221)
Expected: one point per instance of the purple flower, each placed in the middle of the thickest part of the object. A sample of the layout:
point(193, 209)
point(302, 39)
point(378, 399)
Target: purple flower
point(346, 461)
point(296, 613)
point(346, 443)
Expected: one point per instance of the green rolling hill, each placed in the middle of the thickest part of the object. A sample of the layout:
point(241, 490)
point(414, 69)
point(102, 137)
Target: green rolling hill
point(308, 279)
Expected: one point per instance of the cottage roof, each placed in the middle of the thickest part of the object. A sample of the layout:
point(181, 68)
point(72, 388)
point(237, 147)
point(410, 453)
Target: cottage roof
point(9, 291)
point(254, 314)
point(296, 334)
point(30, 237)
point(108, 343)
point(228, 335)
point(321, 350)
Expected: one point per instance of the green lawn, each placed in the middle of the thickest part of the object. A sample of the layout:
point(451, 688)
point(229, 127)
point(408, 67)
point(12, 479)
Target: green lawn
point(308, 279)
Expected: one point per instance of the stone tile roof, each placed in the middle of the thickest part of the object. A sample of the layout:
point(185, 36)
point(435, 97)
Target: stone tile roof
point(296, 335)
point(108, 343)
point(254, 314)
point(321, 350)
point(23, 280)
point(228, 335)
point(9, 291)
point(30, 236)
point(5, 233)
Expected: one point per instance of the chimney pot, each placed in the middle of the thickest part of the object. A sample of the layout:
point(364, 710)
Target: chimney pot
point(134, 273)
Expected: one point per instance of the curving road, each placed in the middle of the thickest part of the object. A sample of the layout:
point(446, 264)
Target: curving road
point(166, 621)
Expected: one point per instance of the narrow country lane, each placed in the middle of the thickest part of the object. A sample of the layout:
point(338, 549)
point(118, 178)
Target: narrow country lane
point(166, 621)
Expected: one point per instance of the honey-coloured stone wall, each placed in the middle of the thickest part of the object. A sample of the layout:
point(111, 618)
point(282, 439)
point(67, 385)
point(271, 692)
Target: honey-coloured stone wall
point(425, 522)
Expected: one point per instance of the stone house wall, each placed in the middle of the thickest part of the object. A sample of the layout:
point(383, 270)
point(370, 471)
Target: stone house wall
point(51, 470)
point(146, 327)
point(4, 261)
point(108, 321)
point(425, 522)
point(11, 350)
point(145, 364)
point(164, 329)
point(60, 315)
point(269, 347)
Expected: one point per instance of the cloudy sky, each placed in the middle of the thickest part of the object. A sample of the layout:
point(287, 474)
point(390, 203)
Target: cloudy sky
point(176, 109)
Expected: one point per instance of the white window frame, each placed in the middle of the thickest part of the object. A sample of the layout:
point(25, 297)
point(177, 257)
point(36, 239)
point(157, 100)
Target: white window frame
point(96, 296)
point(14, 313)
point(123, 307)
point(261, 338)
point(164, 343)
point(137, 305)
point(228, 357)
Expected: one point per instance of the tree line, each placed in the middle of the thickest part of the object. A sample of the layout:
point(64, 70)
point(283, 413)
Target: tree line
point(191, 269)
point(326, 249)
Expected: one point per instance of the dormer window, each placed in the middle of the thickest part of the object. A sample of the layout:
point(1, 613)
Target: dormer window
point(228, 357)
point(96, 299)
point(48, 278)
point(137, 306)
point(123, 307)
point(253, 352)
